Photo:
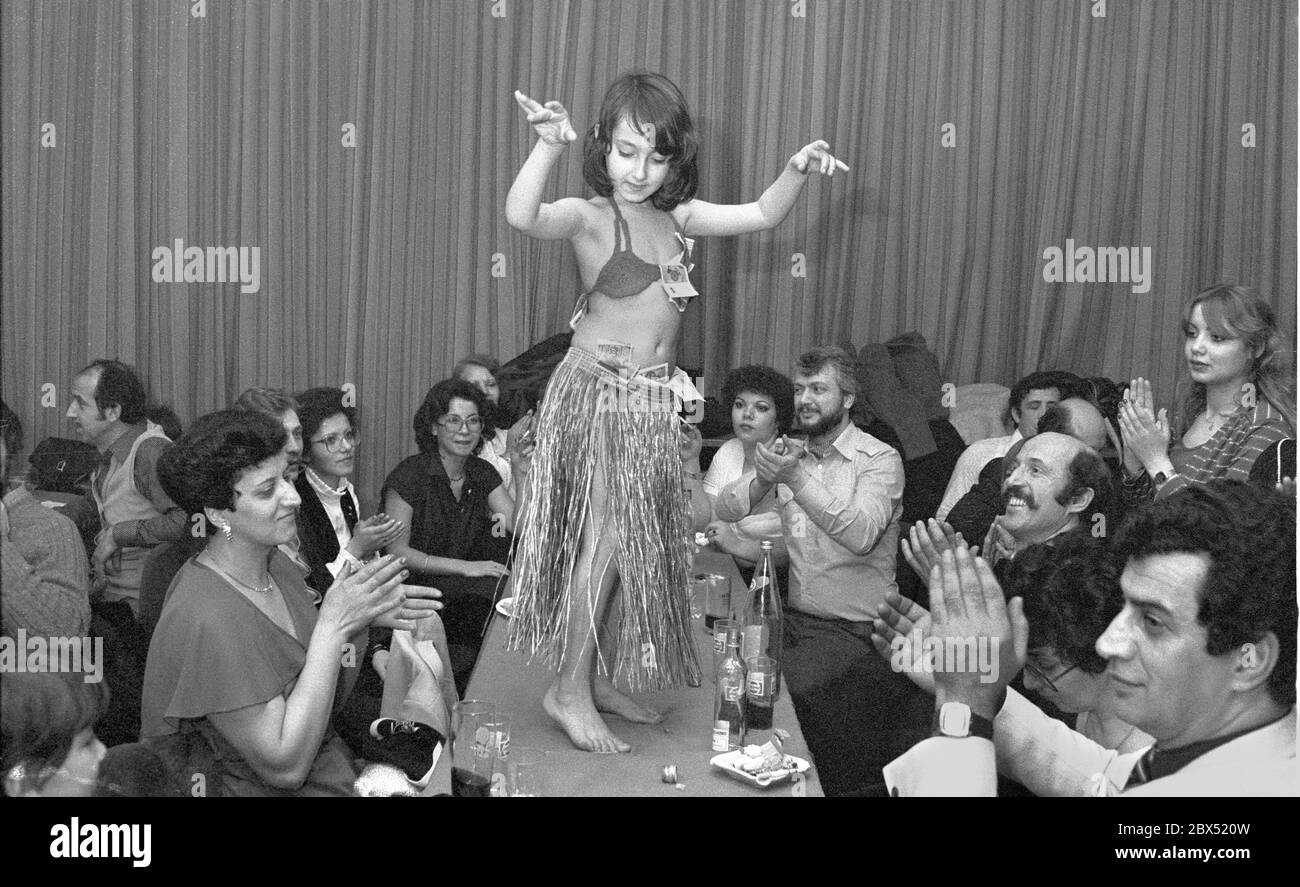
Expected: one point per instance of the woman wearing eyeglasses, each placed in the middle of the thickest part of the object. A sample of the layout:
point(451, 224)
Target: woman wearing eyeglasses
point(332, 535)
point(454, 513)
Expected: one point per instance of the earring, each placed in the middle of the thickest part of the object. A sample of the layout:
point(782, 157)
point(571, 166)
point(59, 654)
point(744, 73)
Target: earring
point(225, 528)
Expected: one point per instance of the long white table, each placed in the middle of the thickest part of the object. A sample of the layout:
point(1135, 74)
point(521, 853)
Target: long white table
point(682, 739)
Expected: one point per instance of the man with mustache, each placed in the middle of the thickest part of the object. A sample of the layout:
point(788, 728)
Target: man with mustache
point(975, 512)
point(1030, 398)
point(1052, 482)
point(839, 493)
point(1202, 657)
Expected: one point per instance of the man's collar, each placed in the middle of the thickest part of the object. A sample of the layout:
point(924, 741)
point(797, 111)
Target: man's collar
point(1166, 762)
point(120, 448)
point(843, 442)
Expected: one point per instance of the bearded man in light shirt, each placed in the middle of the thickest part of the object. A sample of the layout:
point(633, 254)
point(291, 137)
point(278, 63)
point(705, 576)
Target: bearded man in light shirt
point(839, 493)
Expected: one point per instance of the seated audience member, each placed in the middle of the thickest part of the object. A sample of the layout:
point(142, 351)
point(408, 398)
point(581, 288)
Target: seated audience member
point(284, 409)
point(46, 590)
point(240, 655)
point(455, 514)
point(48, 721)
point(1070, 590)
point(1054, 480)
point(1030, 398)
point(1071, 593)
point(1237, 420)
point(480, 370)
point(840, 497)
point(331, 535)
point(135, 513)
point(1202, 657)
point(762, 409)
point(974, 513)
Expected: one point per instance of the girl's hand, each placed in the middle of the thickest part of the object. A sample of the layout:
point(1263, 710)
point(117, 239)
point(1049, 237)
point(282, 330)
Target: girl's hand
point(816, 157)
point(550, 120)
point(1146, 433)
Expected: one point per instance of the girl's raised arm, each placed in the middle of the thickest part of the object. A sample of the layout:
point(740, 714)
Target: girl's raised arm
point(703, 218)
point(524, 208)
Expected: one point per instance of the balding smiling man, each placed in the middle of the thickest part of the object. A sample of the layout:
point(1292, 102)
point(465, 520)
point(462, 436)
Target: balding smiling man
point(974, 514)
point(1053, 483)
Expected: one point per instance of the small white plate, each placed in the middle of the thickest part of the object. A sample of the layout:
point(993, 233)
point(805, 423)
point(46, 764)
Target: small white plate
point(728, 763)
point(506, 607)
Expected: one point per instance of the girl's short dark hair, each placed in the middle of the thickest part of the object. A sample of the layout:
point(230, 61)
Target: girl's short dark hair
point(315, 405)
point(437, 403)
point(40, 714)
point(765, 381)
point(645, 99)
point(200, 469)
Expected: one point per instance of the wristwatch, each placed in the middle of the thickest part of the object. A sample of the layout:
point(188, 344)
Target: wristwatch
point(1159, 478)
point(956, 720)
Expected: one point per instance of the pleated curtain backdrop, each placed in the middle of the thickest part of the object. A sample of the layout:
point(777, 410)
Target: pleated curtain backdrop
point(366, 148)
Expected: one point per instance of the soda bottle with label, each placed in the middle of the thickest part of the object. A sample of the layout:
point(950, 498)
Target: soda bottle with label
point(729, 700)
point(763, 623)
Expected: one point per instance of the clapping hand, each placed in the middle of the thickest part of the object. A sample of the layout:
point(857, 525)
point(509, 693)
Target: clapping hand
point(902, 623)
point(374, 533)
point(998, 542)
point(929, 540)
point(357, 599)
point(1146, 432)
point(420, 602)
point(816, 157)
point(778, 464)
point(550, 120)
point(967, 605)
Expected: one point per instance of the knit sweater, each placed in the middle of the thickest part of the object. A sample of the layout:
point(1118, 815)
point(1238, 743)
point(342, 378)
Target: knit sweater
point(45, 572)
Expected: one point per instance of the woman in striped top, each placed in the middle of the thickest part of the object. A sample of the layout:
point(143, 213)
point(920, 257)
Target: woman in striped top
point(1238, 416)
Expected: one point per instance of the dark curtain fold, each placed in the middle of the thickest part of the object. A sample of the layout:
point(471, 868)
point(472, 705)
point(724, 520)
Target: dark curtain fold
point(383, 263)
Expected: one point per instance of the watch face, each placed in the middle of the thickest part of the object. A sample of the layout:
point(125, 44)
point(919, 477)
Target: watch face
point(954, 719)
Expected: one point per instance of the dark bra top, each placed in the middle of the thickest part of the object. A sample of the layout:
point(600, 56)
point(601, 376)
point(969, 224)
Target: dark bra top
point(626, 273)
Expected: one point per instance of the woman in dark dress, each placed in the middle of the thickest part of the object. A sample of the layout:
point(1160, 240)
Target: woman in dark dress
point(456, 515)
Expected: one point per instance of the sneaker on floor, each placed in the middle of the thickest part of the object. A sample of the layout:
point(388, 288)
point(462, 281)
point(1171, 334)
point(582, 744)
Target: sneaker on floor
point(408, 745)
